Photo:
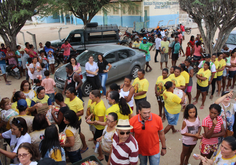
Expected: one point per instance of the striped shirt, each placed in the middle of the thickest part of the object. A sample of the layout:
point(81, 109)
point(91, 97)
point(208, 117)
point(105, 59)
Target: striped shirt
point(124, 153)
point(207, 122)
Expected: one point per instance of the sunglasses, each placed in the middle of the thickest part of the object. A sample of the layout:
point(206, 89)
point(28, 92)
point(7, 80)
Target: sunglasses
point(122, 133)
point(143, 125)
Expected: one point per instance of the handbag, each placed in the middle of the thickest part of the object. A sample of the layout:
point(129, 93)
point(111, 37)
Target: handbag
point(227, 132)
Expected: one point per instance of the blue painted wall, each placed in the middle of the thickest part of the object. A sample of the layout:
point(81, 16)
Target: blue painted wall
point(48, 19)
point(153, 20)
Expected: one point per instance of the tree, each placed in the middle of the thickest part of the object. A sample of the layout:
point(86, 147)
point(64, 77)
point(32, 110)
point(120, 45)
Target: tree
point(216, 14)
point(87, 9)
point(13, 15)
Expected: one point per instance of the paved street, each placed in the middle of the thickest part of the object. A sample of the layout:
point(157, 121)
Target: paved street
point(45, 32)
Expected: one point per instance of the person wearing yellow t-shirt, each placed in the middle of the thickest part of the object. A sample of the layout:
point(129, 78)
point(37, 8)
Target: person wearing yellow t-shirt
point(136, 43)
point(90, 110)
point(99, 115)
point(140, 85)
point(185, 74)
point(202, 83)
point(17, 96)
point(213, 82)
point(119, 106)
point(219, 71)
point(159, 89)
point(177, 79)
point(164, 51)
point(76, 105)
point(172, 106)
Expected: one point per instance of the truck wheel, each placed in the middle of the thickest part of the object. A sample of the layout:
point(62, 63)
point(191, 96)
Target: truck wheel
point(86, 88)
point(134, 72)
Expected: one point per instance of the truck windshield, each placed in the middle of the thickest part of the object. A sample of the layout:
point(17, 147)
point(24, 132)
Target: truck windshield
point(232, 39)
point(83, 57)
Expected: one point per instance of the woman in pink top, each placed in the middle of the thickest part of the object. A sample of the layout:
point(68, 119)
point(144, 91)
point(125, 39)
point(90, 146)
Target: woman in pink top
point(76, 65)
point(31, 51)
point(191, 129)
point(232, 70)
point(10, 55)
point(197, 50)
point(213, 128)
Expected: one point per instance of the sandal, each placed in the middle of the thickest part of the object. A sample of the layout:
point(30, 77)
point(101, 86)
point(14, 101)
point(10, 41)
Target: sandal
point(83, 151)
point(202, 107)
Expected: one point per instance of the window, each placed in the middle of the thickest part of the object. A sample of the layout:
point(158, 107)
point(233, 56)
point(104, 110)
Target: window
point(75, 38)
point(123, 54)
point(111, 57)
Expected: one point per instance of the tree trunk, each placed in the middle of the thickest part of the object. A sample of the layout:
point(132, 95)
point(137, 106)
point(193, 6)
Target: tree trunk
point(10, 40)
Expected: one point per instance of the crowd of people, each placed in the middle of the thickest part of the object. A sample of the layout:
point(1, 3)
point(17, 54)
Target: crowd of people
point(38, 117)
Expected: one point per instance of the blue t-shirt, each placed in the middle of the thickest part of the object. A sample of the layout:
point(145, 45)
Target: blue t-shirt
point(2, 55)
point(47, 50)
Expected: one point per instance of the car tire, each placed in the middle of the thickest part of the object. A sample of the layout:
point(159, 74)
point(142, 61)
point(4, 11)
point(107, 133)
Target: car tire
point(86, 88)
point(134, 72)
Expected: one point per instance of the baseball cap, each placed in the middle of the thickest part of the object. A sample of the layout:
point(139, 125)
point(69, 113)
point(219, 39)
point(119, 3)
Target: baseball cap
point(21, 104)
point(144, 38)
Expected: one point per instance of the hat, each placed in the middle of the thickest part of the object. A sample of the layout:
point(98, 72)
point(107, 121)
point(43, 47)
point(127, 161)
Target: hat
point(21, 104)
point(144, 38)
point(136, 37)
point(124, 125)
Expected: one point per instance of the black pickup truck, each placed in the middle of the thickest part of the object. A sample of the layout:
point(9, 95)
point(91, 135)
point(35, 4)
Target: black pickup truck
point(92, 35)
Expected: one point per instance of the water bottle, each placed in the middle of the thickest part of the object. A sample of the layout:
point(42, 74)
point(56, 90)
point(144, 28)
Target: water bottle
point(96, 147)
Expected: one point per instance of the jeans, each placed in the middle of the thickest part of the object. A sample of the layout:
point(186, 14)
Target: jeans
point(137, 101)
point(153, 160)
point(155, 59)
point(74, 156)
point(103, 80)
point(79, 94)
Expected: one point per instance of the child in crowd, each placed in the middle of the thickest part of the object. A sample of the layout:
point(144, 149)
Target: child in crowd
point(30, 76)
point(40, 47)
point(43, 59)
point(188, 50)
point(66, 46)
point(191, 129)
point(7, 112)
point(49, 84)
point(51, 60)
point(37, 84)
point(43, 70)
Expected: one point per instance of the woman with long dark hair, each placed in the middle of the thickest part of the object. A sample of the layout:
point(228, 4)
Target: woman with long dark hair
point(50, 146)
point(72, 144)
point(103, 71)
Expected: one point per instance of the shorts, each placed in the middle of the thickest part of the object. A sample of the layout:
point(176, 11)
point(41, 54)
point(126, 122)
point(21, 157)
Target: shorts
point(66, 57)
point(164, 57)
point(98, 133)
point(197, 58)
point(52, 97)
point(3, 68)
point(148, 57)
point(232, 74)
point(51, 61)
point(19, 63)
point(186, 145)
point(182, 33)
point(189, 88)
point(160, 98)
point(92, 128)
point(175, 57)
point(207, 148)
point(219, 78)
point(224, 73)
point(171, 118)
point(202, 89)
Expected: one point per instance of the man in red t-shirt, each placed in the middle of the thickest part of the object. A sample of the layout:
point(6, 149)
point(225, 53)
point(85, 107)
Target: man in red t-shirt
point(66, 46)
point(182, 29)
point(147, 130)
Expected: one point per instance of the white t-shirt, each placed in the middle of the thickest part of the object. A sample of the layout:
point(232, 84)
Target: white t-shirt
point(32, 163)
point(212, 66)
point(34, 75)
point(171, 41)
point(158, 43)
point(163, 34)
point(91, 68)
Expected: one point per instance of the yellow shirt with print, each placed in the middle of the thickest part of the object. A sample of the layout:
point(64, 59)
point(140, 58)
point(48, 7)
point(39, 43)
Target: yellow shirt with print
point(165, 44)
point(172, 102)
point(76, 105)
point(90, 108)
point(206, 74)
point(177, 81)
point(217, 65)
point(14, 106)
point(186, 76)
point(222, 63)
point(136, 44)
point(160, 84)
point(99, 111)
point(115, 108)
point(140, 86)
